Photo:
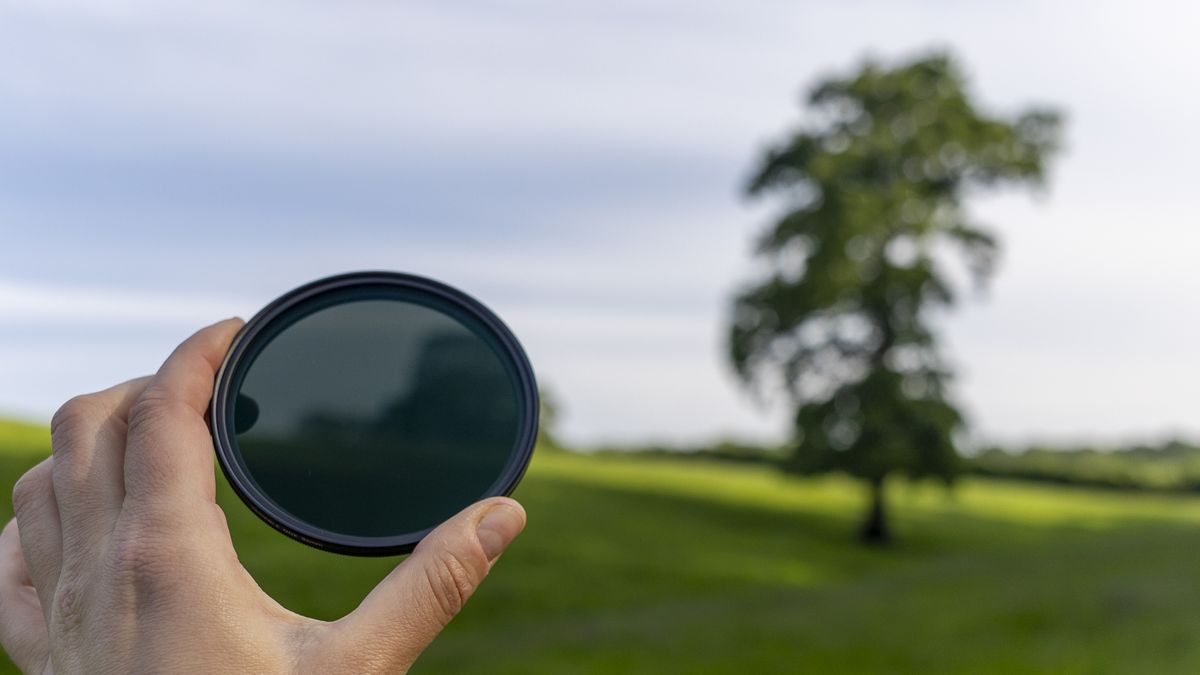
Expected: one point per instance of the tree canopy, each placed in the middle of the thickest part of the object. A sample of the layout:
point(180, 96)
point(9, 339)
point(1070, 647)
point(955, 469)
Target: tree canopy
point(872, 187)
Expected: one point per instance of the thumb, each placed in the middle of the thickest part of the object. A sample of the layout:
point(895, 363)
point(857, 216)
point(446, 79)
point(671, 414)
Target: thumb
point(403, 614)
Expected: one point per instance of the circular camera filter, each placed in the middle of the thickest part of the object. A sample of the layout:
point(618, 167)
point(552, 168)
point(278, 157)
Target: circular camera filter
point(358, 412)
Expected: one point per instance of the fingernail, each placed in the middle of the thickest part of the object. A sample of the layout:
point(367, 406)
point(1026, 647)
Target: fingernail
point(498, 527)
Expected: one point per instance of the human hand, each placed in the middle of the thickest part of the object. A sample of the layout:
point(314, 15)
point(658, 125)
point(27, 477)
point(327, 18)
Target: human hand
point(120, 561)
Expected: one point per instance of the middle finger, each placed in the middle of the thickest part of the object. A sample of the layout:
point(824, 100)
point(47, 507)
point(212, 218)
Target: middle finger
point(88, 441)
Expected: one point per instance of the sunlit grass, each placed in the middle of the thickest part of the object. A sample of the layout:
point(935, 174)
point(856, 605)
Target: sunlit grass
point(24, 438)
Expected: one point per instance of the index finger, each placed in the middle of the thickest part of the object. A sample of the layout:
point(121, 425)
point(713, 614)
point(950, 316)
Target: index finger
point(169, 450)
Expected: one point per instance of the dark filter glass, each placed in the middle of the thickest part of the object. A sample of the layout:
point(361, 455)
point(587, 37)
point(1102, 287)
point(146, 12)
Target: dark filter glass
point(375, 413)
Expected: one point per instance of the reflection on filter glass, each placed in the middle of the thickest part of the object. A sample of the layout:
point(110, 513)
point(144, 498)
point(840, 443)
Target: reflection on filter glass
point(376, 418)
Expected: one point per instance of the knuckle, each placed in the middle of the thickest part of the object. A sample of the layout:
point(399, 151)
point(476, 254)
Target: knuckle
point(71, 423)
point(451, 582)
point(30, 488)
point(78, 411)
point(67, 610)
point(145, 412)
point(22, 493)
point(148, 412)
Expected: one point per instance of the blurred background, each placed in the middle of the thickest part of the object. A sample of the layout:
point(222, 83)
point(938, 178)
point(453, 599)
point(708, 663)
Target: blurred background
point(605, 176)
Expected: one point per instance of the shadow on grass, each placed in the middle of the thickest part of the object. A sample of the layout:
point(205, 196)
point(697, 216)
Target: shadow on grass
point(613, 580)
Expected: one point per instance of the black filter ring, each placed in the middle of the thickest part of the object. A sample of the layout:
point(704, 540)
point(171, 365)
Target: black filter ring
point(247, 489)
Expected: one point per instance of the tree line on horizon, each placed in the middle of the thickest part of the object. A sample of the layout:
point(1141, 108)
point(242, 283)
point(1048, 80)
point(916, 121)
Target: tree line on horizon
point(1172, 466)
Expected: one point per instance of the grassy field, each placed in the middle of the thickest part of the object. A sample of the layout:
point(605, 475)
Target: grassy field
point(661, 566)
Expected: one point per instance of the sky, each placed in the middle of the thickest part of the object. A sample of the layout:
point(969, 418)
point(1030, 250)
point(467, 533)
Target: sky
point(578, 167)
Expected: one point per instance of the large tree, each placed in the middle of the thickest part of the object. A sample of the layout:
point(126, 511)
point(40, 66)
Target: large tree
point(873, 222)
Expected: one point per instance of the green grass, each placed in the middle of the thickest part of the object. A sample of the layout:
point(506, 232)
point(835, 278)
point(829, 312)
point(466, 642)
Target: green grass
point(662, 566)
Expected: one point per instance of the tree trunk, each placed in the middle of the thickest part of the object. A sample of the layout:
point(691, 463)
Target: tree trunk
point(875, 529)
